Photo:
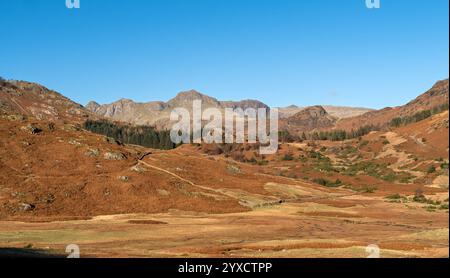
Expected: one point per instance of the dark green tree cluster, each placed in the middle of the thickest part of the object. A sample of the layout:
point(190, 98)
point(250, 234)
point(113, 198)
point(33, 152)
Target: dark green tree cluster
point(341, 135)
point(146, 136)
point(285, 137)
point(419, 116)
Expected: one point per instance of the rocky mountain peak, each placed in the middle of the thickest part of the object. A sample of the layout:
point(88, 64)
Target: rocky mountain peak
point(313, 111)
point(309, 119)
point(92, 106)
point(186, 98)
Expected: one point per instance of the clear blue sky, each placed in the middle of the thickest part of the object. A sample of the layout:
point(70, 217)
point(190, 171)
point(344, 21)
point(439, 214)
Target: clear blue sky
point(281, 52)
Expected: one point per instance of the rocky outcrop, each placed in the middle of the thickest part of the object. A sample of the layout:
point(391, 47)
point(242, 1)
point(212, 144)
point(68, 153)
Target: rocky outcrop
point(307, 120)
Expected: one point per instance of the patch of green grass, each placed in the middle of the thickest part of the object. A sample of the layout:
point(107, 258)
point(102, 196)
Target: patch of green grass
point(324, 165)
point(363, 189)
point(423, 200)
point(444, 207)
point(379, 171)
point(394, 197)
point(369, 189)
point(431, 208)
point(263, 162)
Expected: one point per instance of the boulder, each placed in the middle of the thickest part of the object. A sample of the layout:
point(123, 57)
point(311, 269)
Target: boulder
point(92, 152)
point(124, 178)
point(31, 129)
point(138, 168)
point(26, 207)
point(114, 156)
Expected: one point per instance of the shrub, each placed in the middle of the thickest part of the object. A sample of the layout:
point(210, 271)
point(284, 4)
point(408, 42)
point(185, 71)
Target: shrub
point(328, 183)
point(444, 206)
point(369, 189)
point(288, 157)
point(431, 169)
point(394, 197)
point(418, 196)
point(252, 160)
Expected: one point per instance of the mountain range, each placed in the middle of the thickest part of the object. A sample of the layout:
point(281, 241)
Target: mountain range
point(61, 183)
point(34, 99)
point(157, 113)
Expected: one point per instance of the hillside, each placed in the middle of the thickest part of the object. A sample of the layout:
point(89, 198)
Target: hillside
point(31, 99)
point(60, 184)
point(437, 95)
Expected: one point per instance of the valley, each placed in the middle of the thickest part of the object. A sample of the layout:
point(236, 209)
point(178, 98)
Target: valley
point(61, 184)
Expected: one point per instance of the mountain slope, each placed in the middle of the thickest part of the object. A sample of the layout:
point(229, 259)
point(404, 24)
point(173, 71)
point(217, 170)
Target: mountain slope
point(31, 99)
point(437, 95)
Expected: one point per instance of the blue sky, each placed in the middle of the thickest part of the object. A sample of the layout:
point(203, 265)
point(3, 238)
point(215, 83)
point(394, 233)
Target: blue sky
point(281, 52)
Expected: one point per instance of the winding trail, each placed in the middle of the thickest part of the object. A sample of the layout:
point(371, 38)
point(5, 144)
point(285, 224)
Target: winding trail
point(233, 196)
point(217, 191)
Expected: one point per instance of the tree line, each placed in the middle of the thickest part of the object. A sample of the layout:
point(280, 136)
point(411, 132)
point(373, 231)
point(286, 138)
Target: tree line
point(146, 136)
point(419, 116)
point(332, 135)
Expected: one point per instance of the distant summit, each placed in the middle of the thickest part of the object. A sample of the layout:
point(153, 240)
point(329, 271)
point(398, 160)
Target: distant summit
point(157, 113)
point(309, 119)
point(185, 99)
point(335, 111)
